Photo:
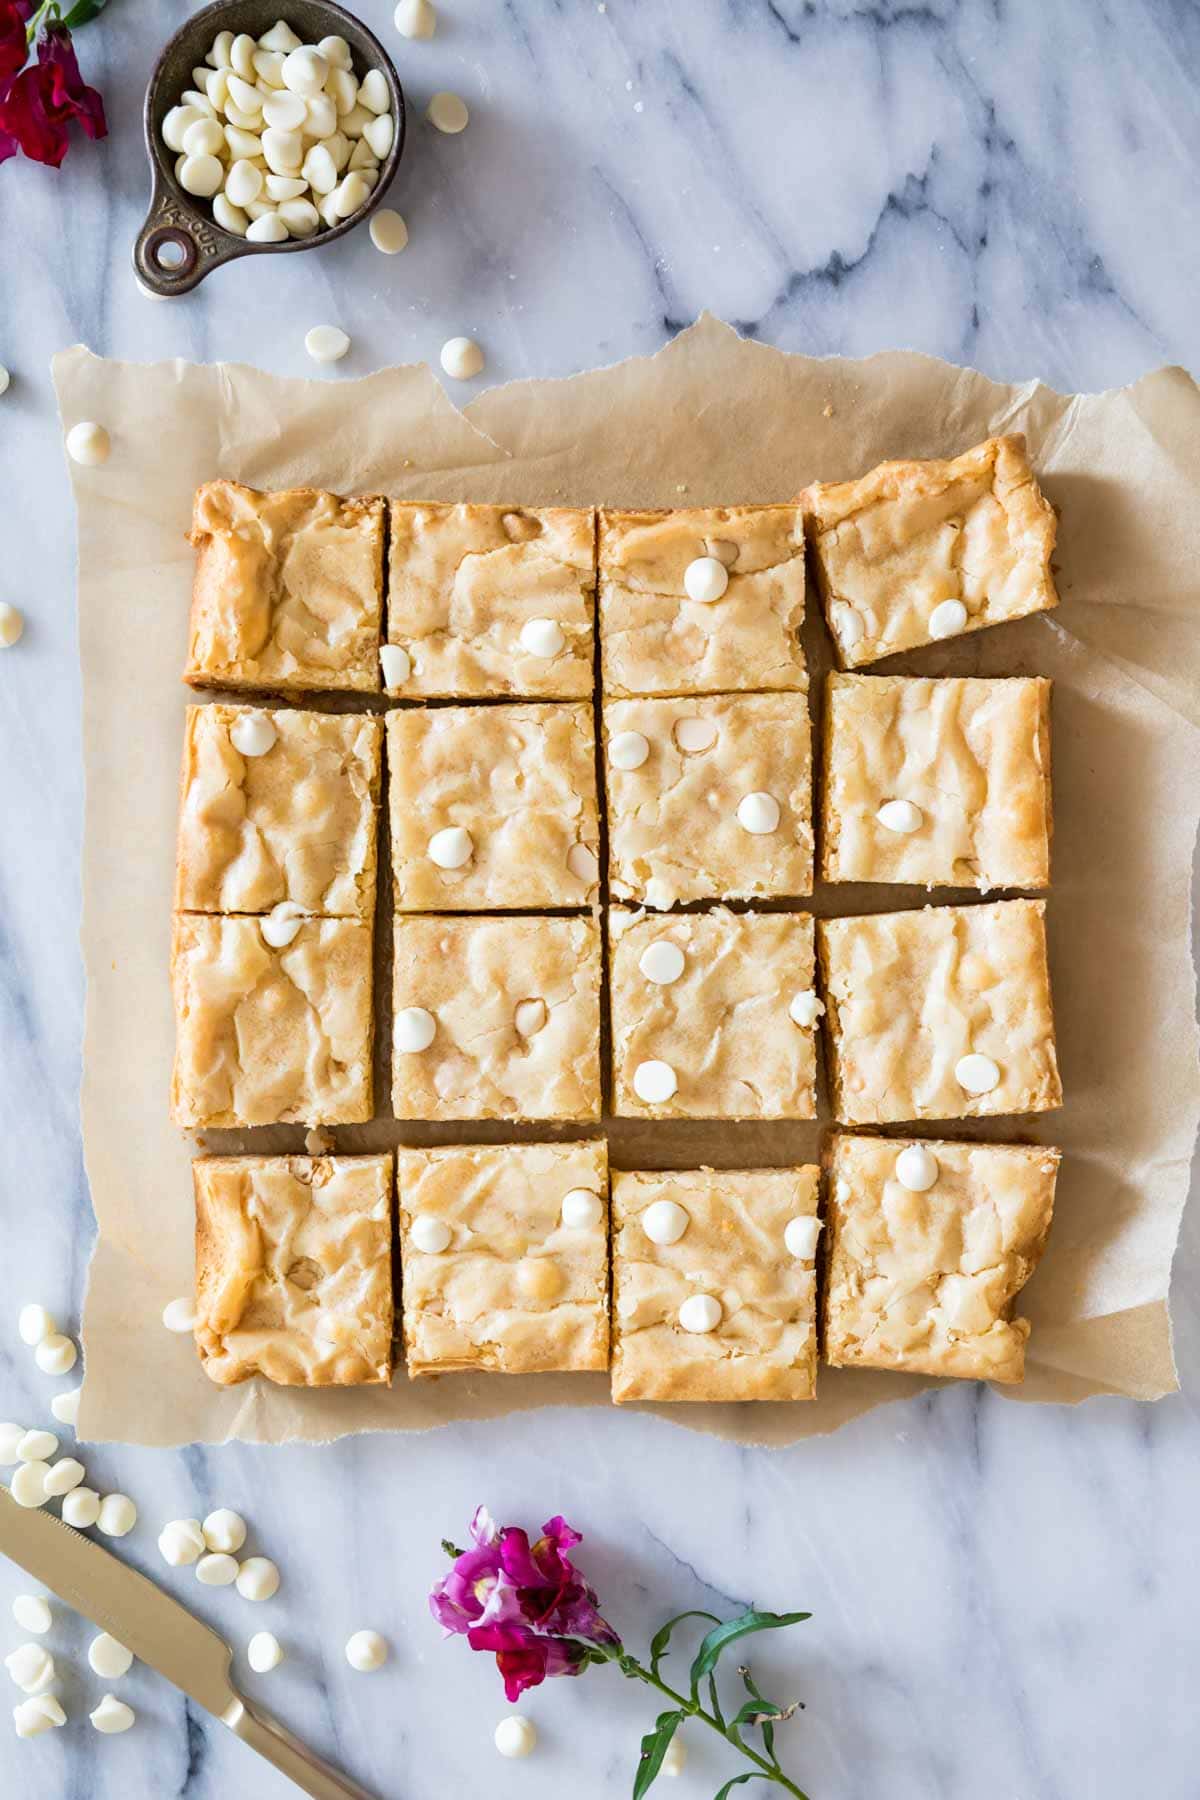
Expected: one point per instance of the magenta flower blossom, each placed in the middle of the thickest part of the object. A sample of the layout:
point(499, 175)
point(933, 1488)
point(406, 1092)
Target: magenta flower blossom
point(526, 1603)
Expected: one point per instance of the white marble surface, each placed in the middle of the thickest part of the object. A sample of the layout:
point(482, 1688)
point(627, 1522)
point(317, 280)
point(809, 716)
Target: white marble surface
point(1004, 1597)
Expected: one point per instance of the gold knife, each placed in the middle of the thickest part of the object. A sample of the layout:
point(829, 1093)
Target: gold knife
point(161, 1633)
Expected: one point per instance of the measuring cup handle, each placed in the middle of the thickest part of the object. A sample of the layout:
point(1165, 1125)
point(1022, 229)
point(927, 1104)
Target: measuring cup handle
point(175, 249)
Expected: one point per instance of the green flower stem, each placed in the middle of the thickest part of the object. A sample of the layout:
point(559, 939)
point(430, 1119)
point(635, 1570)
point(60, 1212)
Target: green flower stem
point(31, 30)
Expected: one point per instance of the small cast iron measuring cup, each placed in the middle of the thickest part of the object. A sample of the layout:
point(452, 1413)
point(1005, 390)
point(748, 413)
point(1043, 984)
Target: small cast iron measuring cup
point(180, 242)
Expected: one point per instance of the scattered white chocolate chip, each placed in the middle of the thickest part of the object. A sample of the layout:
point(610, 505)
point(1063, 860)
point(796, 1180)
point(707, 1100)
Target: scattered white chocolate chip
point(279, 928)
point(65, 1408)
point(542, 637)
point(258, 1578)
point(109, 1658)
point(5, 378)
point(117, 1516)
point(581, 1209)
point(217, 1569)
point(64, 1475)
point(448, 112)
point(415, 18)
point(805, 1009)
point(31, 1667)
point(181, 1542)
point(429, 1235)
point(515, 1736)
point(654, 1082)
point(758, 813)
point(34, 1324)
point(56, 1355)
point(224, 1530)
point(628, 750)
point(388, 231)
point(947, 619)
point(694, 735)
point(12, 621)
point(180, 1315)
point(32, 1613)
point(36, 1446)
point(264, 1652)
point(414, 1029)
point(451, 848)
point(674, 1757)
point(112, 1715)
point(10, 1442)
point(978, 1074)
point(916, 1169)
point(326, 343)
point(583, 863)
point(665, 1221)
point(461, 358)
point(42, 1713)
point(253, 734)
point(88, 443)
point(662, 962)
point(800, 1236)
point(394, 660)
point(700, 1313)
point(81, 1508)
point(529, 1017)
point(900, 816)
point(705, 579)
point(366, 1651)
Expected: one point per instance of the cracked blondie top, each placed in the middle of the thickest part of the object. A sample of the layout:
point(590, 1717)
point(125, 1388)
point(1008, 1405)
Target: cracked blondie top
point(714, 1285)
point(656, 639)
point(916, 551)
point(496, 1018)
point(267, 1036)
point(278, 806)
point(944, 782)
point(504, 1250)
point(929, 1245)
point(294, 1269)
point(939, 1014)
point(493, 807)
point(288, 591)
point(709, 798)
point(726, 1001)
point(491, 600)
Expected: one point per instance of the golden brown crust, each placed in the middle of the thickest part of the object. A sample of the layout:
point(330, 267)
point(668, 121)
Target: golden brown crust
point(926, 1282)
point(294, 1269)
point(288, 591)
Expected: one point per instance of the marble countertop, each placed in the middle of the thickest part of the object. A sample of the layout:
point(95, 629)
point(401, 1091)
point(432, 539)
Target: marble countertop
point(1004, 1597)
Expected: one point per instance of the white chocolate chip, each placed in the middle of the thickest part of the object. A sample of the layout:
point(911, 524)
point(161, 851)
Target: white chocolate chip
point(5, 378)
point(665, 1221)
point(350, 195)
point(758, 813)
point(583, 863)
point(847, 623)
point(230, 217)
point(109, 1658)
point(264, 1652)
point(202, 176)
point(916, 1169)
point(284, 111)
point(326, 343)
point(530, 1017)
point(366, 1651)
point(394, 659)
point(448, 112)
point(947, 619)
point(674, 1757)
point(31, 1667)
point(32, 1613)
point(224, 1530)
point(10, 1443)
point(243, 183)
point(542, 637)
point(42, 1713)
point(705, 579)
point(34, 1323)
point(12, 621)
point(694, 735)
point(180, 1314)
point(217, 1569)
point(415, 18)
point(373, 91)
point(253, 734)
point(300, 216)
point(112, 1715)
point(36, 1446)
point(977, 1074)
point(204, 137)
point(388, 231)
point(800, 1236)
point(117, 1516)
point(581, 1209)
point(177, 124)
point(320, 170)
point(805, 1009)
point(414, 1029)
point(654, 1082)
point(429, 1235)
point(900, 816)
point(628, 750)
point(241, 55)
point(515, 1736)
point(56, 1355)
point(268, 228)
point(81, 1508)
point(281, 38)
point(700, 1313)
point(279, 928)
point(65, 1408)
point(181, 1542)
point(451, 848)
point(379, 134)
point(337, 53)
point(88, 443)
point(305, 71)
point(662, 962)
point(258, 1578)
point(461, 358)
point(64, 1475)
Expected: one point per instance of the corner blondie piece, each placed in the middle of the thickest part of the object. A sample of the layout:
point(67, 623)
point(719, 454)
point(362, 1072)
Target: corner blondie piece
point(490, 600)
point(278, 808)
point(270, 1035)
point(939, 1014)
point(294, 1269)
point(917, 551)
point(940, 782)
point(709, 798)
point(714, 1285)
point(656, 639)
point(288, 591)
point(929, 1245)
point(493, 807)
point(504, 1250)
point(496, 1018)
point(720, 1009)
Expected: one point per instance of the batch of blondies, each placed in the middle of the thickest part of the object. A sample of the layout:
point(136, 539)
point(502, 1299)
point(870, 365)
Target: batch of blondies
point(603, 828)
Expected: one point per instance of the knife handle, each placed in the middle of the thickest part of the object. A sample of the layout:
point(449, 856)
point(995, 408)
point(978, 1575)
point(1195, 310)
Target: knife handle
point(292, 1758)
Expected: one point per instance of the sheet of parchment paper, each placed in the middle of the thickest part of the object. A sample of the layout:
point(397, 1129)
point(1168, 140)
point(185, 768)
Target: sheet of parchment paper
point(709, 419)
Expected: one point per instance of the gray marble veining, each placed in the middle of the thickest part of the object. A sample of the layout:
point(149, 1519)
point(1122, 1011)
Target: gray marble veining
point(1004, 1596)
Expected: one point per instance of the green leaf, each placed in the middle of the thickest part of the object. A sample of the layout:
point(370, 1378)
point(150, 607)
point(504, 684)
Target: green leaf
point(654, 1748)
point(662, 1637)
point(714, 1701)
point(709, 1653)
point(83, 12)
point(750, 1775)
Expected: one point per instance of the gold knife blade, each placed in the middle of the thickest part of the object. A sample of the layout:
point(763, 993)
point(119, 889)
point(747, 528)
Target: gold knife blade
point(161, 1633)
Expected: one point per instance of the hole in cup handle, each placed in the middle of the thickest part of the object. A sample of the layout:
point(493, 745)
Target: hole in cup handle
point(175, 250)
